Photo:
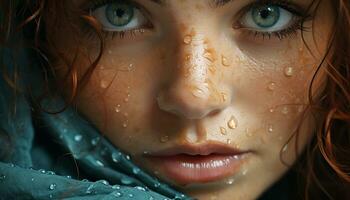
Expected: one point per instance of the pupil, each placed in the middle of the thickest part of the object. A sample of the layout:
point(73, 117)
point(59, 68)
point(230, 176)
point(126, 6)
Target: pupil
point(119, 12)
point(265, 13)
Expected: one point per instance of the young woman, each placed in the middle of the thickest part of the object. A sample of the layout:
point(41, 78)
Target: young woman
point(217, 99)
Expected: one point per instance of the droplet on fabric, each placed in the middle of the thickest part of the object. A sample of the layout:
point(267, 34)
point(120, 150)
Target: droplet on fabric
point(135, 170)
point(117, 194)
point(99, 163)
point(116, 157)
point(95, 141)
point(52, 186)
point(2, 177)
point(78, 138)
point(116, 187)
point(126, 181)
point(140, 188)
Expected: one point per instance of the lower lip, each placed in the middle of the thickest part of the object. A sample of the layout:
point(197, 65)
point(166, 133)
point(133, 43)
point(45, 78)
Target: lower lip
point(186, 169)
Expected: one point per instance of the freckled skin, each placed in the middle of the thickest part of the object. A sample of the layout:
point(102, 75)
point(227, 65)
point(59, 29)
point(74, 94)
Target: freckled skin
point(175, 87)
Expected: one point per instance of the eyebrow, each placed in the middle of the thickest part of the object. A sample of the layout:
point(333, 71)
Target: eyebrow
point(214, 3)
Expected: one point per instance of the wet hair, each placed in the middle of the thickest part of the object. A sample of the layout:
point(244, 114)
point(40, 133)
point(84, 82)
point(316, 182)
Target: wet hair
point(325, 164)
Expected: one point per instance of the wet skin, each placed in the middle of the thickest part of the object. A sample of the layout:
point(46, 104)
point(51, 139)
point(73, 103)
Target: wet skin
point(197, 75)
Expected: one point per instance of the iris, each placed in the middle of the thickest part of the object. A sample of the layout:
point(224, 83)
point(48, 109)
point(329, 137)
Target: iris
point(119, 14)
point(266, 16)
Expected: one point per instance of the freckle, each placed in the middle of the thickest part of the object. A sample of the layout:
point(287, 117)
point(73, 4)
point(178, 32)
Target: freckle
point(225, 62)
point(187, 39)
point(223, 130)
point(232, 123)
point(271, 86)
point(289, 71)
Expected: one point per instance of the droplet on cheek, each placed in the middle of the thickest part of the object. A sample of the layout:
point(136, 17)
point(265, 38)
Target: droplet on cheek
point(270, 128)
point(103, 84)
point(289, 71)
point(232, 123)
point(285, 110)
point(271, 86)
point(164, 139)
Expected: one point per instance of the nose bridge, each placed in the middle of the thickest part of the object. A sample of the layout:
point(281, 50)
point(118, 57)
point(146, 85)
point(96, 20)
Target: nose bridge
point(194, 92)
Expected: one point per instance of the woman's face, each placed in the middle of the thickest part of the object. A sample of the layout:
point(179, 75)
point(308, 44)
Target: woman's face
point(202, 94)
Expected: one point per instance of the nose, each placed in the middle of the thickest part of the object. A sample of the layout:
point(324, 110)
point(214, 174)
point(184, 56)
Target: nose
point(195, 89)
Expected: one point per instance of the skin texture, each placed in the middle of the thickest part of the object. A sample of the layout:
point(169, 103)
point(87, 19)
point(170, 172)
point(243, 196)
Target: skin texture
point(182, 81)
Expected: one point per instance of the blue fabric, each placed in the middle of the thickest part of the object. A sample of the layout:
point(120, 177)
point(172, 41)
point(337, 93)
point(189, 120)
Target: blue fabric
point(33, 142)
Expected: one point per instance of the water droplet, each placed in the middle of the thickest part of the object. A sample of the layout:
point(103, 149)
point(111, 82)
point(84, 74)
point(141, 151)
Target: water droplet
point(270, 128)
point(135, 170)
point(2, 177)
point(126, 181)
point(140, 188)
point(271, 110)
point(187, 39)
point(248, 133)
point(244, 172)
point(230, 181)
point(50, 173)
point(52, 186)
point(116, 156)
point(156, 185)
point(32, 179)
point(104, 182)
point(103, 84)
point(223, 130)
point(288, 71)
point(285, 110)
point(50, 196)
point(117, 194)
point(127, 157)
point(225, 62)
point(116, 187)
point(89, 189)
point(145, 153)
point(131, 195)
point(223, 96)
point(70, 177)
point(209, 56)
point(78, 138)
point(300, 109)
point(232, 123)
point(228, 141)
point(95, 141)
point(285, 148)
point(125, 125)
point(43, 171)
point(164, 138)
point(151, 198)
point(271, 86)
point(117, 109)
point(99, 163)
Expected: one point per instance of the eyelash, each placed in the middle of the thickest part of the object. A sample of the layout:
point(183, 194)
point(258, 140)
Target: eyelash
point(285, 33)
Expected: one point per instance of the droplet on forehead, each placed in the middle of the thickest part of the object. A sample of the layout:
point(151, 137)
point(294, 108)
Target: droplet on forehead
point(288, 71)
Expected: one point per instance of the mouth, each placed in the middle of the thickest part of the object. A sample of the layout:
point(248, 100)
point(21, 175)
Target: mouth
point(186, 164)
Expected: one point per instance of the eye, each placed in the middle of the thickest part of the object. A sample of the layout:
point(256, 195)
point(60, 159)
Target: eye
point(267, 18)
point(119, 16)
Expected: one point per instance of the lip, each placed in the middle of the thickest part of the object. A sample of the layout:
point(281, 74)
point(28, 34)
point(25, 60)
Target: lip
point(204, 163)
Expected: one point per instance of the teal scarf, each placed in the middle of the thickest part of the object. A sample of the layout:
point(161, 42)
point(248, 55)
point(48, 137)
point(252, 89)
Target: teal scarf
point(61, 156)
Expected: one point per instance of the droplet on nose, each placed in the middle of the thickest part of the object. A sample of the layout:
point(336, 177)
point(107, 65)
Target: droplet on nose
point(232, 123)
point(187, 39)
point(224, 61)
point(223, 130)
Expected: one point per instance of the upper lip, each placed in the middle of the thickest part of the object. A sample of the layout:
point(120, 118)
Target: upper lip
point(198, 149)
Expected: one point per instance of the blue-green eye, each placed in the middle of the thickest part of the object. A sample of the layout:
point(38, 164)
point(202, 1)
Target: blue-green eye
point(119, 16)
point(267, 18)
